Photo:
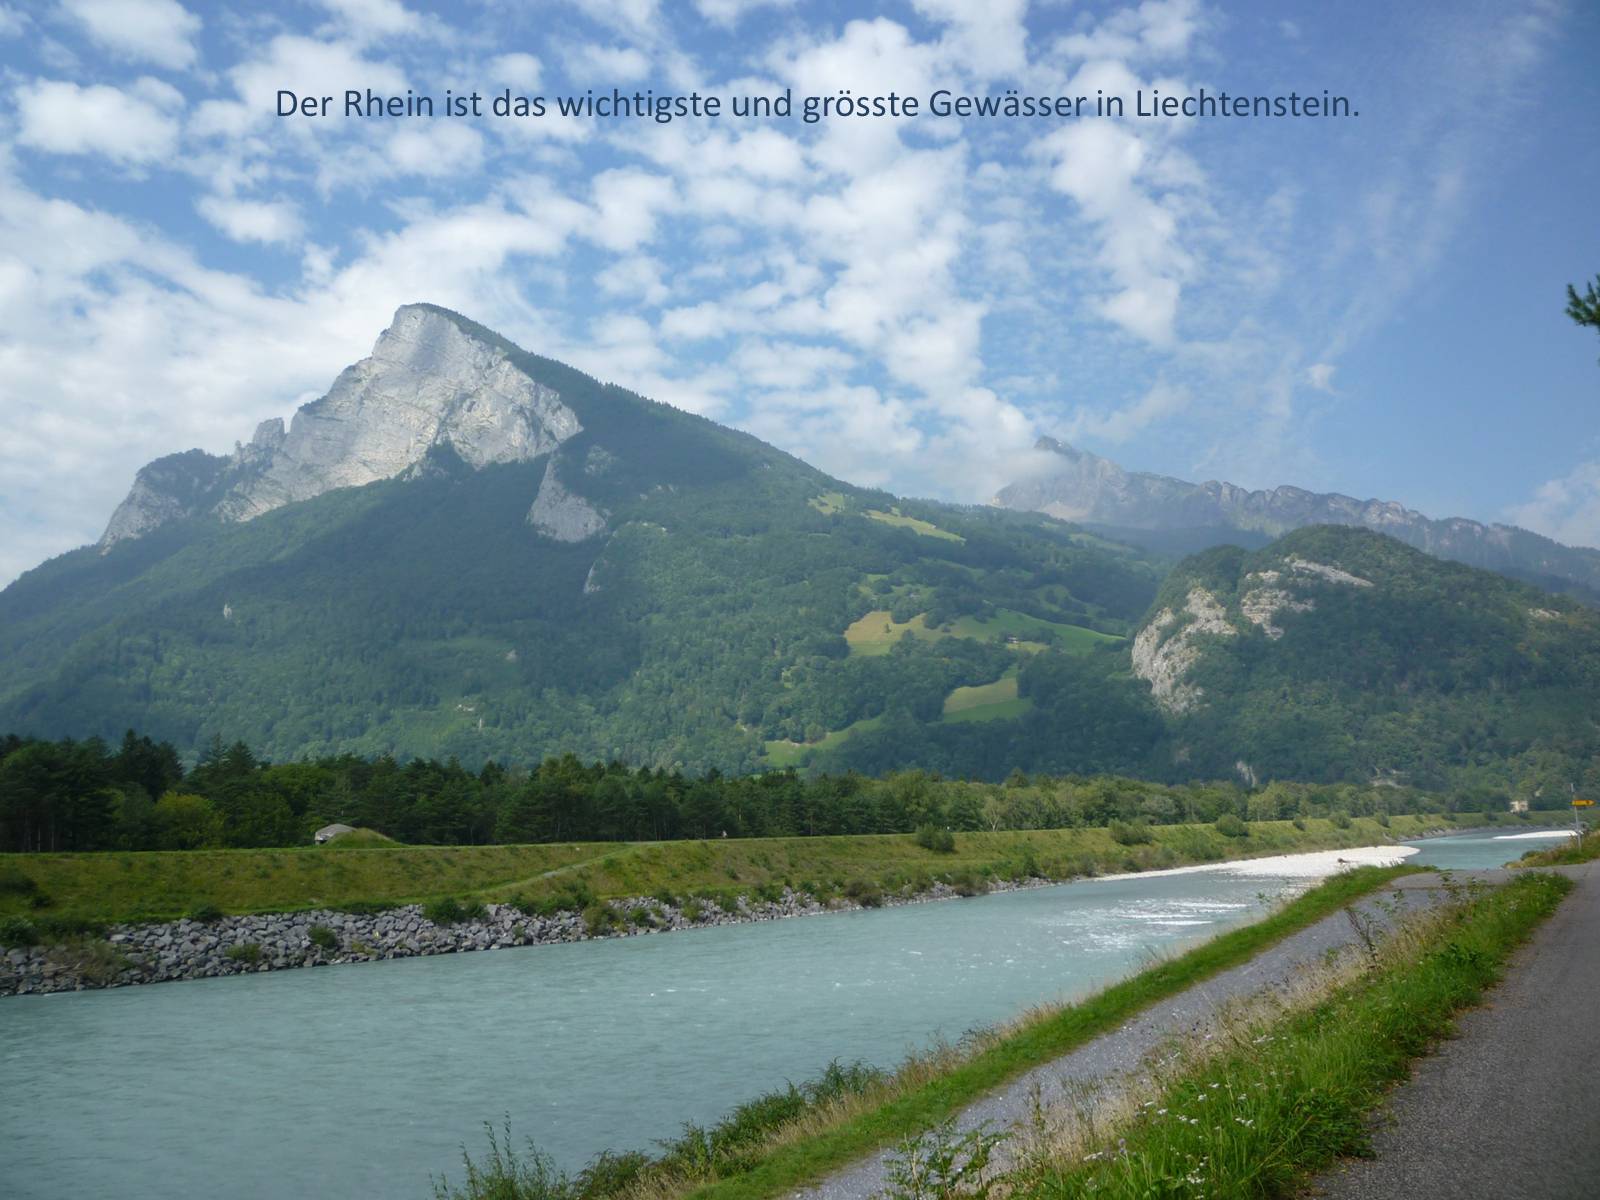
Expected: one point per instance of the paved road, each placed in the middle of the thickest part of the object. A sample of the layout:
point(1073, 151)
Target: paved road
point(1509, 1109)
point(1100, 1063)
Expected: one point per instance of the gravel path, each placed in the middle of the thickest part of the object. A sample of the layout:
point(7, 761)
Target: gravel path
point(1101, 1062)
point(1510, 1107)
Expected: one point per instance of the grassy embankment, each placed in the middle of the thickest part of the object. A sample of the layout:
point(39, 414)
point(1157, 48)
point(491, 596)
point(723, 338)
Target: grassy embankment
point(1569, 853)
point(156, 885)
point(777, 1143)
point(1289, 1093)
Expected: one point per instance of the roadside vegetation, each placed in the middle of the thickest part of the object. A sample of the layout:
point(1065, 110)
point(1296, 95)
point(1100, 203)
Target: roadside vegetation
point(778, 1142)
point(162, 885)
point(1288, 1088)
point(1574, 850)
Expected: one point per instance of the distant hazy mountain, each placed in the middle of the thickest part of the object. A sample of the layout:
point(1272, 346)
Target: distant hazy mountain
point(1169, 514)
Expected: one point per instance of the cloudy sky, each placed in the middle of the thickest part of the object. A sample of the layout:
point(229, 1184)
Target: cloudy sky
point(1371, 306)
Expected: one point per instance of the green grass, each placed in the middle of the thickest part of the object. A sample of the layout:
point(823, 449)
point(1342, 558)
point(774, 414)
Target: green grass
point(781, 754)
point(155, 885)
point(359, 839)
point(1568, 853)
point(1287, 1097)
point(995, 701)
point(877, 632)
point(926, 528)
point(828, 504)
point(1038, 1039)
point(161, 885)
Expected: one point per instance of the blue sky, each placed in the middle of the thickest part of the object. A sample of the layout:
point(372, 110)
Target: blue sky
point(1371, 306)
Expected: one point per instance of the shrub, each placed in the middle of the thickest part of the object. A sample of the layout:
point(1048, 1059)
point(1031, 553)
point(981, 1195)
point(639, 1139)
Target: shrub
point(1028, 864)
point(863, 893)
point(450, 911)
point(1383, 819)
point(18, 931)
point(248, 953)
point(16, 883)
point(1130, 833)
point(1229, 825)
point(931, 837)
point(1341, 820)
point(966, 884)
point(323, 937)
point(693, 910)
point(598, 919)
point(1299, 823)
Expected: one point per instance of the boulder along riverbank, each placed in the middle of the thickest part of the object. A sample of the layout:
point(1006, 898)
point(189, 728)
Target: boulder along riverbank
point(205, 949)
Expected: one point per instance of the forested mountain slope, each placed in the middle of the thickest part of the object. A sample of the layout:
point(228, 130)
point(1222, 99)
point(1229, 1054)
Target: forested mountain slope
point(468, 550)
point(1336, 653)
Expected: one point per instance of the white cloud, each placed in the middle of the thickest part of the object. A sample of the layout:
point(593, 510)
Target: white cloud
point(268, 222)
point(307, 67)
point(1156, 29)
point(435, 148)
point(1320, 376)
point(728, 13)
point(1157, 405)
point(1103, 166)
point(155, 31)
point(605, 66)
point(517, 71)
point(375, 18)
point(63, 118)
point(636, 279)
point(985, 37)
point(1567, 509)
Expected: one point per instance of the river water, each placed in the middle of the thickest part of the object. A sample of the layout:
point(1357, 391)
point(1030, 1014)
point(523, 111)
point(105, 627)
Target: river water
point(364, 1080)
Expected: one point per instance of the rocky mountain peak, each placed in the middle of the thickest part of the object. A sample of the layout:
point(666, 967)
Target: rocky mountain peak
point(431, 381)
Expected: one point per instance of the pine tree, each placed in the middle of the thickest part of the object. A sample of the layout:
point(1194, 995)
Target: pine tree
point(1585, 309)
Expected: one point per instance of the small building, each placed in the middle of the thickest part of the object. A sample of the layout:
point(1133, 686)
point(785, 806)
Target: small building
point(328, 832)
point(1519, 806)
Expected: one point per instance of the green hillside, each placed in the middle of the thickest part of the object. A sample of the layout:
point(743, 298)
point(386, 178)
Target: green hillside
point(422, 616)
point(1420, 671)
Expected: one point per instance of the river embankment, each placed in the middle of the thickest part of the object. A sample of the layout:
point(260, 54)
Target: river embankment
point(169, 951)
point(162, 952)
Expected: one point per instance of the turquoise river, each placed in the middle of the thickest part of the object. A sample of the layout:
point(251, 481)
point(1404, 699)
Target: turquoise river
point(364, 1080)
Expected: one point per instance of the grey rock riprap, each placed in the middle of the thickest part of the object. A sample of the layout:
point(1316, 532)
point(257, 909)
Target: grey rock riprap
point(190, 949)
point(1075, 485)
point(430, 384)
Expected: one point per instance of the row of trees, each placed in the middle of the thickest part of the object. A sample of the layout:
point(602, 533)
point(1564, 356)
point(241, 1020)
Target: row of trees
point(84, 795)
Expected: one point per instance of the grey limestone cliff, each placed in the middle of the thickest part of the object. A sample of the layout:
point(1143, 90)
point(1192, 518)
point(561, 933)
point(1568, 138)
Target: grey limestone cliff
point(429, 383)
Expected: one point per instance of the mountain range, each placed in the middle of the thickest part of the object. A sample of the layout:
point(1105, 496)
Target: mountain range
point(1159, 511)
point(466, 550)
